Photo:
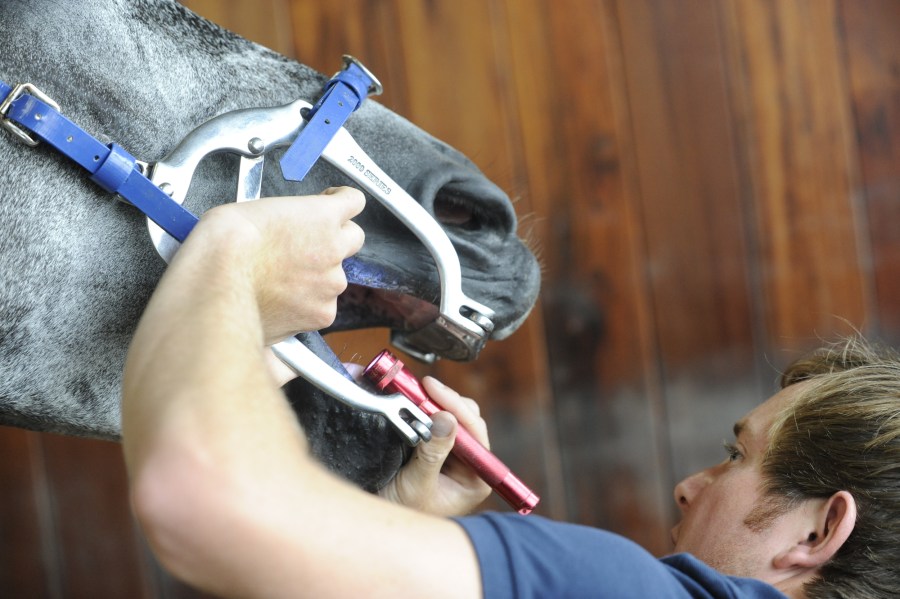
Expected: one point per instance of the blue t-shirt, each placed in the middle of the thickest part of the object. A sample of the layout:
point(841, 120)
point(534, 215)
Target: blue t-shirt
point(522, 557)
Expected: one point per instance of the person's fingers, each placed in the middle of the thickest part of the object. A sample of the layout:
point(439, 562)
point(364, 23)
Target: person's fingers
point(443, 433)
point(355, 370)
point(472, 405)
point(355, 237)
point(461, 407)
point(423, 470)
point(352, 201)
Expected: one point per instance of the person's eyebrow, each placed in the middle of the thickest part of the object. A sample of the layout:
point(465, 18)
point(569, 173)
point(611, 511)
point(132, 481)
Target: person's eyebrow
point(739, 426)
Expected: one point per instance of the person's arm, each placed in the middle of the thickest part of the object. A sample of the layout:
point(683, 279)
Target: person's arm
point(221, 478)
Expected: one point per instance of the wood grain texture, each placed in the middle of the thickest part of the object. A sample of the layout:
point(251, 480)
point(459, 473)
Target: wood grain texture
point(872, 53)
point(711, 186)
point(266, 22)
point(26, 557)
point(801, 160)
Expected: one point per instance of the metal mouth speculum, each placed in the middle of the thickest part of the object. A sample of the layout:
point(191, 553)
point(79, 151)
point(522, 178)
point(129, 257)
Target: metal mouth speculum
point(461, 329)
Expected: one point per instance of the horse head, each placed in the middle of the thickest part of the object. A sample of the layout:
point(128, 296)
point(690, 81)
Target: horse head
point(77, 268)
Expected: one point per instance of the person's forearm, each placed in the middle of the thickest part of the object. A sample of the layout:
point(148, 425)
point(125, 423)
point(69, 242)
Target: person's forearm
point(203, 303)
point(188, 413)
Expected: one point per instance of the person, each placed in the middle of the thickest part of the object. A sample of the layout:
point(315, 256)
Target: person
point(231, 501)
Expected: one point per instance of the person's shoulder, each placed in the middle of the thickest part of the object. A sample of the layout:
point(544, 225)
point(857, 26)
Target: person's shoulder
point(545, 531)
point(532, 556)
point(696, 574)
point(522, 556)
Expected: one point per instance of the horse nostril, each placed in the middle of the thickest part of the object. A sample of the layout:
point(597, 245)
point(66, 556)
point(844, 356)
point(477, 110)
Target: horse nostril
point(468, 210)
point(473, 206)
point(451, 211)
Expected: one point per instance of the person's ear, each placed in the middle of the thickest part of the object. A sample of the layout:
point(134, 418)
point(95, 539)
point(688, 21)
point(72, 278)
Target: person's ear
point(827, 528)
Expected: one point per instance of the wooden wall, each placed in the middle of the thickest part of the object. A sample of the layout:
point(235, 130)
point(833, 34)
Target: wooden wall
point(712, 186)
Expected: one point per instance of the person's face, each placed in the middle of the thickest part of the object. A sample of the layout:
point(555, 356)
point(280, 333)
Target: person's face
point(715, 503)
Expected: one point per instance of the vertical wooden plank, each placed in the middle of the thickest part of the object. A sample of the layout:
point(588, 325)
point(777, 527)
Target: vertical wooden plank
point(98, 547)
point(873, 61)
point(25, 570)
point(472, 103)
point(575, 125)
point(801, 165)
point(689, 202)
point(266, 22)
point(324, 31)
point(685, 147)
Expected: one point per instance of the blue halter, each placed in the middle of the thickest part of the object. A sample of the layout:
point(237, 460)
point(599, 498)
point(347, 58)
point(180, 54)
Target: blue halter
point(32, 117)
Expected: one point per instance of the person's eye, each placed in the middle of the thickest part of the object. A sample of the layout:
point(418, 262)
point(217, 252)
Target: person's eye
point(732, 452)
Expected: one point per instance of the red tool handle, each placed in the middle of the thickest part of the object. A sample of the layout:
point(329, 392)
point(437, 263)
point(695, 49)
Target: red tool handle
point(390, 375)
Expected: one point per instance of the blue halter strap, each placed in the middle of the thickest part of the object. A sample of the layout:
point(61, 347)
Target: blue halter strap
point(344, 93)
point(33, 117)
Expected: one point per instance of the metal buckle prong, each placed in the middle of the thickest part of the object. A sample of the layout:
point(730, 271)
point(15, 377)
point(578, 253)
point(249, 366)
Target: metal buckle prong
point(18, 91)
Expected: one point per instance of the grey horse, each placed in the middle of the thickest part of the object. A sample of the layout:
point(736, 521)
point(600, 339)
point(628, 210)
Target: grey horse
point(76, 266)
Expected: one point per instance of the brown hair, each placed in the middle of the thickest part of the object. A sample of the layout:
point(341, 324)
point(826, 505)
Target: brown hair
point(843, 433)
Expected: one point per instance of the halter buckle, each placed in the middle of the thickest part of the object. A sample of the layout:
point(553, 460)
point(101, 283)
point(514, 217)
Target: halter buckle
point(17, 92)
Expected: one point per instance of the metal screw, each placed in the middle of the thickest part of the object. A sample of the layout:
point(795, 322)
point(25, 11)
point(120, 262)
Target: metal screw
point(167, 189)
point(256, 146)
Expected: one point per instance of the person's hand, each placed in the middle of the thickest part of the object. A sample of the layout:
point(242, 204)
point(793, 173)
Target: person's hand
point(435, 481)
point(291, 251)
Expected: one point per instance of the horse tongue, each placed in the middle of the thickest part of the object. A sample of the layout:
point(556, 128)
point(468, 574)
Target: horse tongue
point(365, 273)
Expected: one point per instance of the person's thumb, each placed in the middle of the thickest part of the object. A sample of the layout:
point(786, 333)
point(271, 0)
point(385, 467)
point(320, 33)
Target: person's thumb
point(430, 456)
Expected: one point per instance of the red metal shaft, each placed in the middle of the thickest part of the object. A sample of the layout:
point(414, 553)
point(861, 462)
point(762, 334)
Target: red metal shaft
point(390, 375)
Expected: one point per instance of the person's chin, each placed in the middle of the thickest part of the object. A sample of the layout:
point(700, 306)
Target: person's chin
point(673, 535)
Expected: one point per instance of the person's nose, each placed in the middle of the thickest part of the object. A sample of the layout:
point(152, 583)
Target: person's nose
point(687, 491)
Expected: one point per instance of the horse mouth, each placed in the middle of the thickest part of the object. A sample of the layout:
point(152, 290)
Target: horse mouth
point(383, 308)
point(417, 327)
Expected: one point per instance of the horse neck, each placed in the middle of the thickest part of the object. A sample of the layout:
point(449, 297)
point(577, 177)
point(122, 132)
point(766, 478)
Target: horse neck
point(100, 16)
point(137, 71)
